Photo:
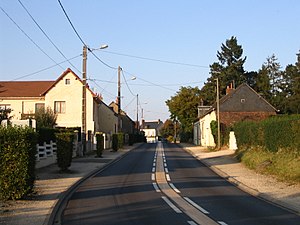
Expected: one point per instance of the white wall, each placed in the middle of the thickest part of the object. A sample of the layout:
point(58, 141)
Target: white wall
point(206, 136)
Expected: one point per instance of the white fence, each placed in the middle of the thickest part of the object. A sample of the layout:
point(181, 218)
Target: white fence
point(46, 154)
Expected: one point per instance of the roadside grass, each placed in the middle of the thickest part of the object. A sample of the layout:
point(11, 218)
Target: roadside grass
point(283, 164)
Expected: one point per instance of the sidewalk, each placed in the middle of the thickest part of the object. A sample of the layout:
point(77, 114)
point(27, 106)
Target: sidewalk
point(50, 184)
point(262, 186)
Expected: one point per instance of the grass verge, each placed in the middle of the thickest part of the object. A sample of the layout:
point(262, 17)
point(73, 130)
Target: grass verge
point(283, 164)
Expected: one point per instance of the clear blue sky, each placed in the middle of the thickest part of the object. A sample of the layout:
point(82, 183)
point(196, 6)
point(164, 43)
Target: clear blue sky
point(187, 32)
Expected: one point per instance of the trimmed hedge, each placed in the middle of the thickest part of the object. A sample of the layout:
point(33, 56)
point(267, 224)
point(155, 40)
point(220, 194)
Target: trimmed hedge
point(46, 135)
point(273, 133)
point(120, 140)
point(64, 152)
point(100, 144)
point(115, 142)
point(17, 161)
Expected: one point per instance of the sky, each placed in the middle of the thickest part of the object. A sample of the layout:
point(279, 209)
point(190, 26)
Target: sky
point(163, 44)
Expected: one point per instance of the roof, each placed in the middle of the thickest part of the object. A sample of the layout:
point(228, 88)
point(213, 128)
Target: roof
point(24, 88)
point(152, 124)
point(232, 102)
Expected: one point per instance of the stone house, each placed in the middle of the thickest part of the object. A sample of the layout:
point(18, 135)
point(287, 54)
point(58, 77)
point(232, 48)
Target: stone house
point(240, 104)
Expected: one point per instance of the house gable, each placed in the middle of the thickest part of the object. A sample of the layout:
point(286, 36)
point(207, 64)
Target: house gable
point(245, 99)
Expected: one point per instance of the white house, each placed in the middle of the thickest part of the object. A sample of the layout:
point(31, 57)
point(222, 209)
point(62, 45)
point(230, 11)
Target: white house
point(64, 96)
point(151, 129)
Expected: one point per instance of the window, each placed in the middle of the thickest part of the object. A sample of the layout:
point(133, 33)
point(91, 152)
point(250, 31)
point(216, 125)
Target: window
point(60, 107)
point(67, 81)
point(243, 100)
point(4, 106)
point(39, 106)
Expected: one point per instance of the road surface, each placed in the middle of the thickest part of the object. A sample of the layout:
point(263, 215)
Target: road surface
point(162, 184)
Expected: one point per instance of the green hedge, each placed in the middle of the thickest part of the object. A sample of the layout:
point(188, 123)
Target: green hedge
point(100, 144)
point(64, 152)
point(120, 140)
point(273, 133)
point(17, 161)
point(115, 142)
point(46, 135)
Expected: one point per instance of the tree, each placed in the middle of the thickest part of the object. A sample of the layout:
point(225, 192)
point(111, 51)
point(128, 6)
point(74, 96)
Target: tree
point(229, 69)
point(184, 107)
point(45, 118)
point(4, 114)
point(262, 84)
point(291, 77)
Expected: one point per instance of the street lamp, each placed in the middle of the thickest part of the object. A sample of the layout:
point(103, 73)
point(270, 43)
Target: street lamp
point(83, 127)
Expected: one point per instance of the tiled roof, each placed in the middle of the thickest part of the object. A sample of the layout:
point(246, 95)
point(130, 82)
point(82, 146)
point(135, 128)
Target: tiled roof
point(24, 88)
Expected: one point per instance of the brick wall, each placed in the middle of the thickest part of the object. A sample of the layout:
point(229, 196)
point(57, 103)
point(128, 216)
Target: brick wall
point(229, 118)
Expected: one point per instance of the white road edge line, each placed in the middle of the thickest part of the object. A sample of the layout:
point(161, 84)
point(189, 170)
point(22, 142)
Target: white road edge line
point(156, 187)
point(222, 223)
point(177, 210)
point(192, 223)
point(196, 205)
point(153, 177)
point(166, 170)
point(153, 169)
point(174, 188)
point(168, 177)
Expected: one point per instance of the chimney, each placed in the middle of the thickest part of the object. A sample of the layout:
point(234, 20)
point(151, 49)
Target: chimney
point(229, 89)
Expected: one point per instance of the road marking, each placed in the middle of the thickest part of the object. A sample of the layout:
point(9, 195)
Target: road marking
point(168, 177)
point(192, 223)
point(156, 187)
point(196, 205)
point(174, 188)
point(166, 170)
point(154, 164)
point(153, 169)
point(165, 164)
point(154, 160)
point(222, 223)
point(177, 210)
point(153, 176)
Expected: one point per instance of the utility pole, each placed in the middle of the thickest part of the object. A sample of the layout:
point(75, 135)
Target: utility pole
point(83, 127)
point(119, 99)
point(137, 112)
point(218, 115)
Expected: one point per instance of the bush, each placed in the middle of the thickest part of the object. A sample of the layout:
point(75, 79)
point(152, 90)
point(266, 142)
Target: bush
point(46, 135)
point(17, 161)
point(115, 142)
point(272, 134)
point(100, 144)
point(120, 140)
point(64, 153)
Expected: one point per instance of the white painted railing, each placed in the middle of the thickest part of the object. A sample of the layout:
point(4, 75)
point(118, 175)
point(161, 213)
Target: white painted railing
point(46, 154)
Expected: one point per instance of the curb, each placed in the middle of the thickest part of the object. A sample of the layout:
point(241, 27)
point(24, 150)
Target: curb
point(54, 218)
point(244, 187)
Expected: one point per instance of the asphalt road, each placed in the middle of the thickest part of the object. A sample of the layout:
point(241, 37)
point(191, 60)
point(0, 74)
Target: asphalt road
point(158, 184)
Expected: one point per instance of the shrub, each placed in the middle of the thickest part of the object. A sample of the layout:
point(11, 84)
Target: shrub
point(46, 135)
point(64, 153)
point(120, 140)
point(45, 118)
point(100, 144)
point(115, 142)
point(17, 161)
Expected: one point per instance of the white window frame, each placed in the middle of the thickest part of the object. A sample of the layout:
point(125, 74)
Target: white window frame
point(60, 107)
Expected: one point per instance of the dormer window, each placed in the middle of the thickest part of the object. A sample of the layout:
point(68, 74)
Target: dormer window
point(243, 100)
point(67, 81)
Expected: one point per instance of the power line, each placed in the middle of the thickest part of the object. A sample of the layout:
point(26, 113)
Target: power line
point(30, 38)
point(82, 39)
point(127, 84)
point(47, 68)
point(47, 35)
point(156, 60)
point(61, 6)
point(157, 85)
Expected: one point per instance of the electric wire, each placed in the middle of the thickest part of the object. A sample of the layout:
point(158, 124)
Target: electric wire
point(156, 60)
point(127, 84)
point(49, 39)
point(47, 68)
point(74, 29)
point(14, 22)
